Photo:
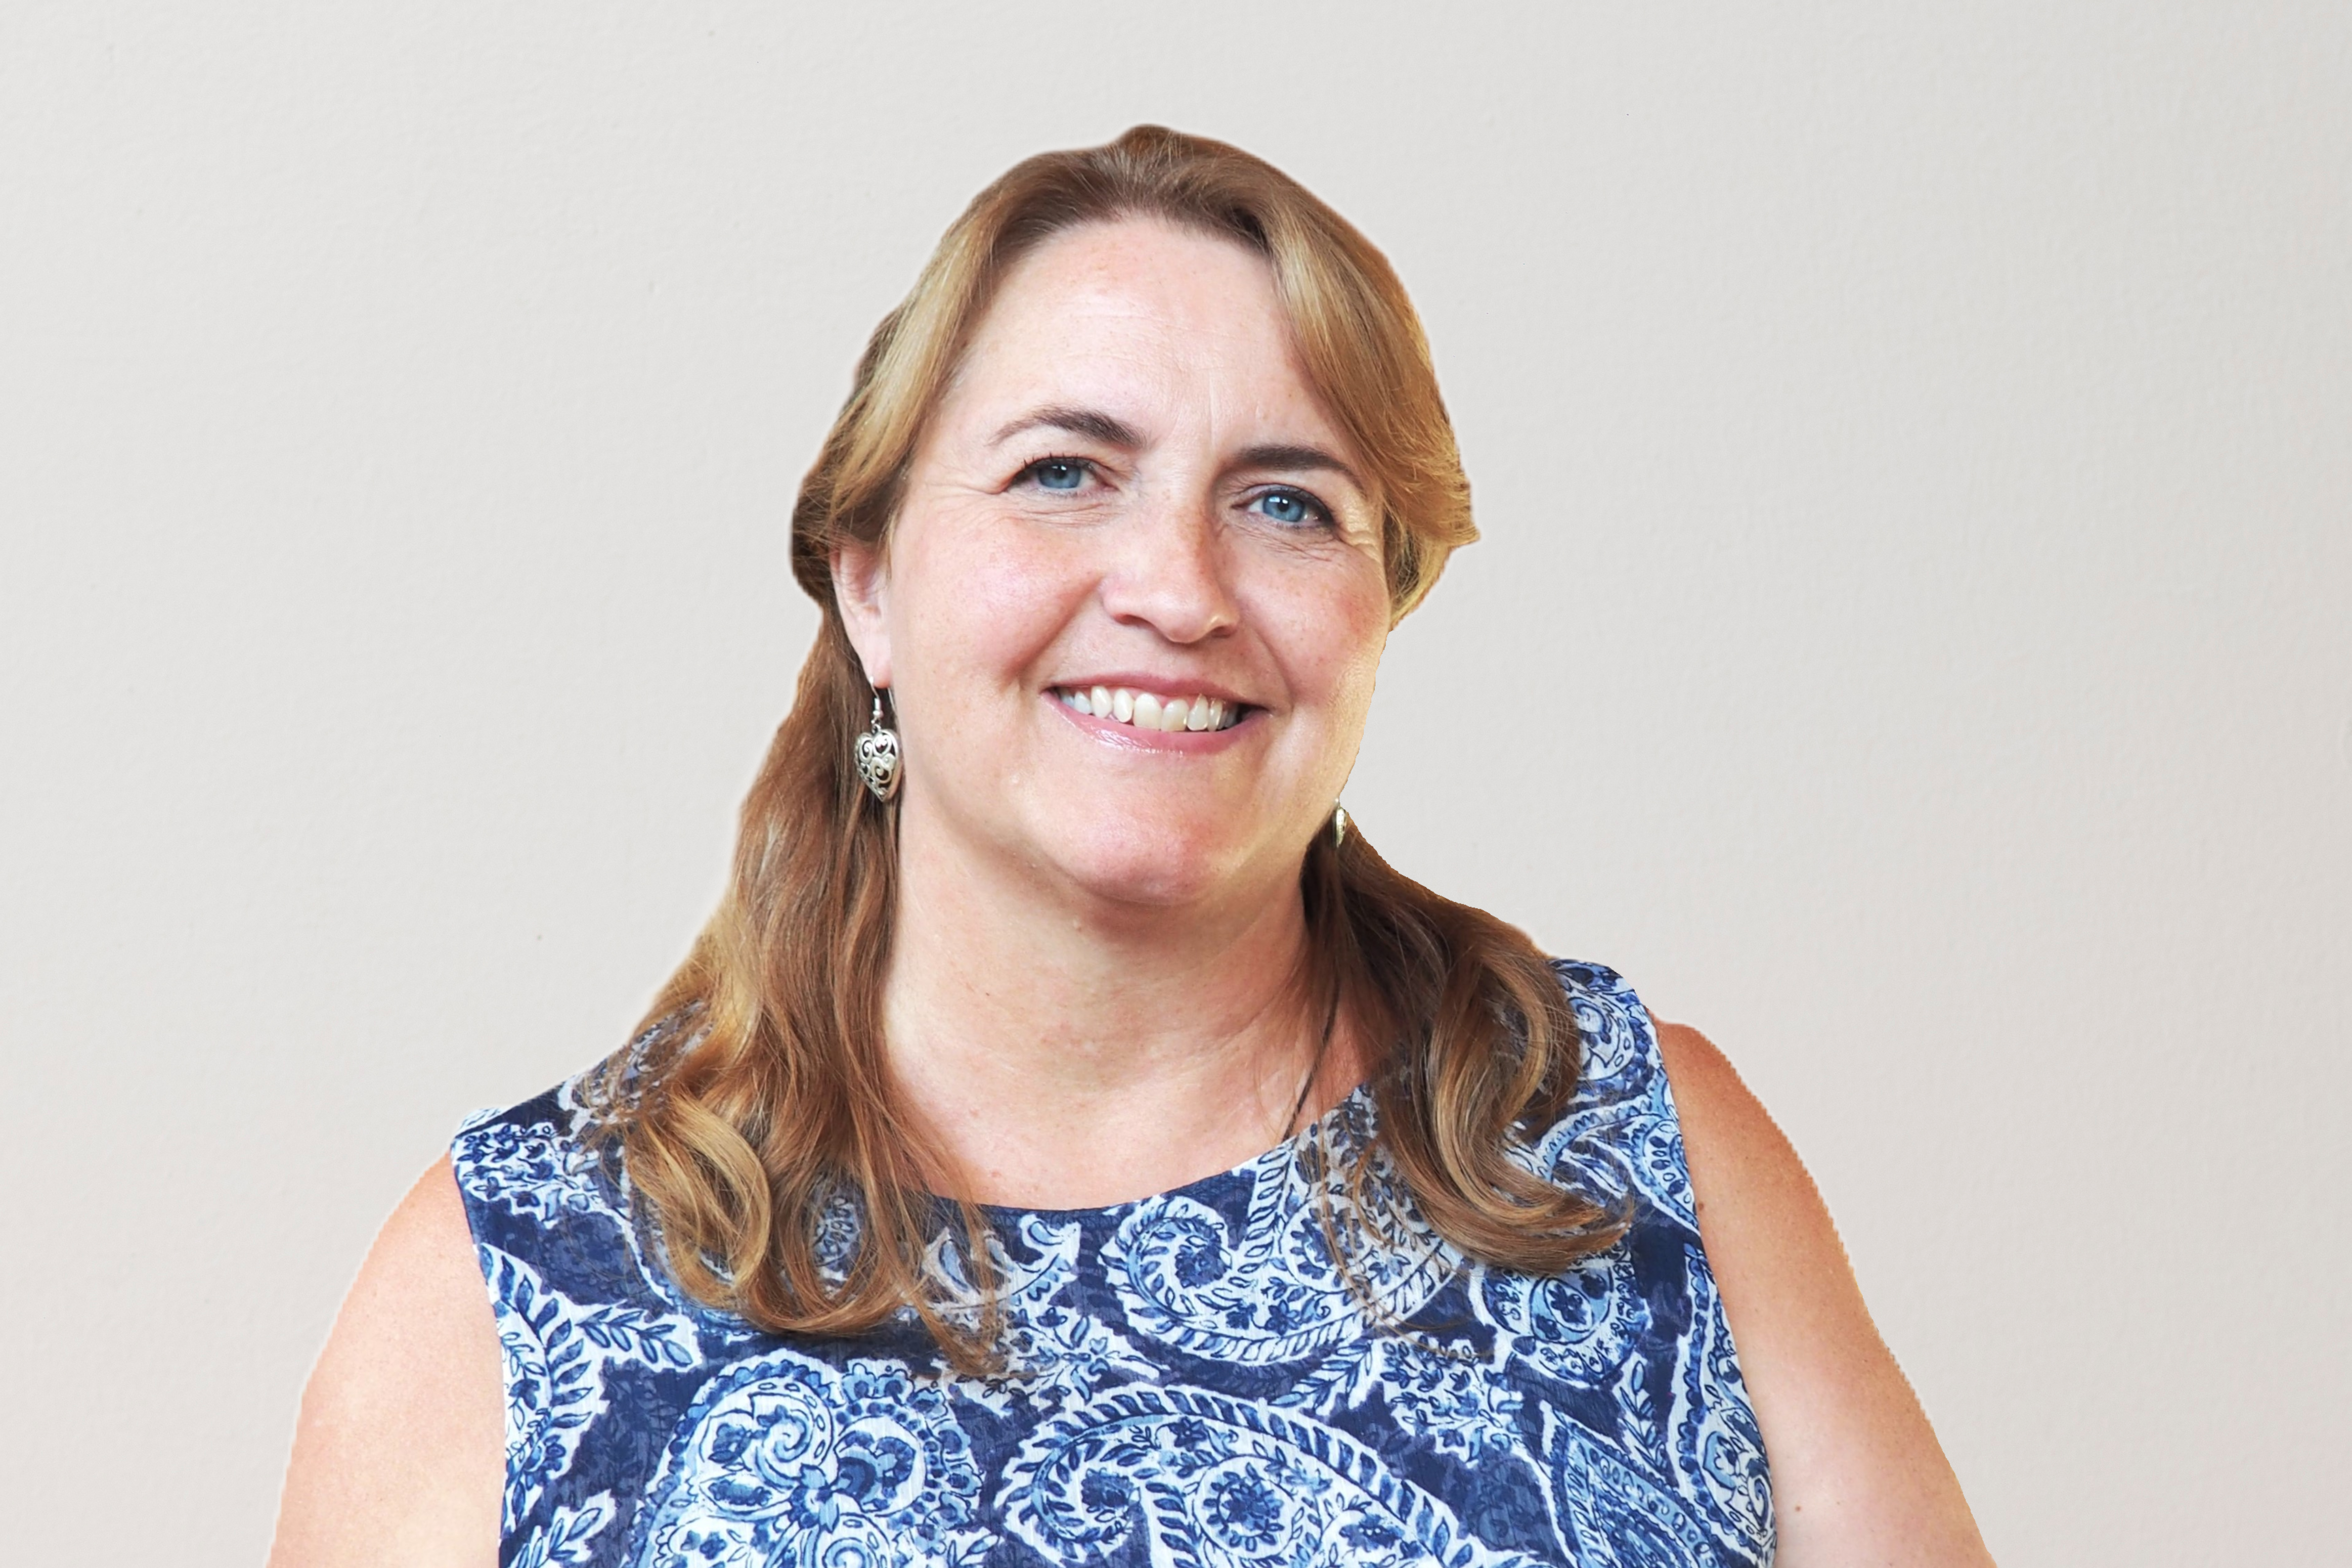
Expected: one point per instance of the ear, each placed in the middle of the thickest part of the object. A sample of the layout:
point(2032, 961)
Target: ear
point(861, 586)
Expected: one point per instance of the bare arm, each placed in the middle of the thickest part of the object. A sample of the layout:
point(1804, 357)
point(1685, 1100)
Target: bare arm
point(399, 1453)
point(1857, 1475)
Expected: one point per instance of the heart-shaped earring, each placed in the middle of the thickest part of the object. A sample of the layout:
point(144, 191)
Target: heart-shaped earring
point(877, 756)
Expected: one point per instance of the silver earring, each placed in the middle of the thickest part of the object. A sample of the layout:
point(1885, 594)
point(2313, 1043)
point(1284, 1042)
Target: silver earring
point(1338, 824)
point(877, 756)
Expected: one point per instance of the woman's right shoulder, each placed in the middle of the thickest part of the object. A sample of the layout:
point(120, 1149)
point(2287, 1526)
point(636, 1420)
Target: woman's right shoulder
point(399, 1449)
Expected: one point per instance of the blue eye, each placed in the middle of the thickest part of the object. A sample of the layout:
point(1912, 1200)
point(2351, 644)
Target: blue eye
point(1292, 509)
point(1058, 474)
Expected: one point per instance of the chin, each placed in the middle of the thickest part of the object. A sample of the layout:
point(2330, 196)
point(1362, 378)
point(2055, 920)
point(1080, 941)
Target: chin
point(1154, 868)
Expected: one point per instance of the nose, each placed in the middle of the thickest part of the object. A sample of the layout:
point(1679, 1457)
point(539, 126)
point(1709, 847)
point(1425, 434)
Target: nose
point(1169, 572)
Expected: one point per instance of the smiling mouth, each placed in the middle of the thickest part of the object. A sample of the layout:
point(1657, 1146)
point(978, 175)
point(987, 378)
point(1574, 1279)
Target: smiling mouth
point(1151, 711)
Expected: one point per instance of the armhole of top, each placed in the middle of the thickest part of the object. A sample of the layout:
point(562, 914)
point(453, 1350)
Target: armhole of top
point(1621, 1054)
point(1623, 1119)
point(479, 1228)
point(461, 1168)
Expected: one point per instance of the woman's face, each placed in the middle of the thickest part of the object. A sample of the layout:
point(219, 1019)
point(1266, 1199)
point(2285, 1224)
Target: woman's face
point(1128, 491)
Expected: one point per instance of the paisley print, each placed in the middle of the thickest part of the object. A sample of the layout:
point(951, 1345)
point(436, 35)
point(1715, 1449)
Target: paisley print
point(1718, 1449)
point(556, 1353)
point(1191, 1381)
point(788, 1460)
point(1053, 1352)
point(1271, 1290)
point(1621, 1139)
point(1461, 1407)
point(1577, 1326)
point(569, 1536)
point(1221, 1483)
point(1616, 1516)
point(535, 1171)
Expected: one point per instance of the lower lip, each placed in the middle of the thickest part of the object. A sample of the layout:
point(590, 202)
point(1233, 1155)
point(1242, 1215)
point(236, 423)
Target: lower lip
point(1136, 738)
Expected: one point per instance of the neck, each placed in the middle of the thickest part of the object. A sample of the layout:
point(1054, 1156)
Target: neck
point(1060, 1050)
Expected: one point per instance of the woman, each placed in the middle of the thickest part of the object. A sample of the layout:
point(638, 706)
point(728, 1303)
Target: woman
point(1291, 1214)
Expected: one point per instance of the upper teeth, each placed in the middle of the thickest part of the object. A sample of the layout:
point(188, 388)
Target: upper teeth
point(1148, 710)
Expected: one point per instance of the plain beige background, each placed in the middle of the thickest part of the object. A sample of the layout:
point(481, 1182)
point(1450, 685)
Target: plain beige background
point(1913, 637)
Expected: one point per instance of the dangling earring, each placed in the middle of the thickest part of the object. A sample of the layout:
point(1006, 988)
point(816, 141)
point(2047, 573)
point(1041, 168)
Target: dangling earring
point(877, 756)
point(1338, 824)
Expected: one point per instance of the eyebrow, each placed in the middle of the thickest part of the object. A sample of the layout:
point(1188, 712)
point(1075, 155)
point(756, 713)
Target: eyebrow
point(1091, 423)
point(1308, 458)
point(1095, 425)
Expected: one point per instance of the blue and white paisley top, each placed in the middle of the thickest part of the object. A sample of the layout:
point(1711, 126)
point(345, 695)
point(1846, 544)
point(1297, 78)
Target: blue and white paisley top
point(1193, 1383)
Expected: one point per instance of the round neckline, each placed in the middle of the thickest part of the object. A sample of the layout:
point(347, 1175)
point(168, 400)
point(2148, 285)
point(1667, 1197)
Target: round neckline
point(1254, 1165)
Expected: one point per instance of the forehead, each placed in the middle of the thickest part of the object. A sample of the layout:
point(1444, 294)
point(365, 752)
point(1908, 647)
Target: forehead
point(1134, 263)
point(1139, 309)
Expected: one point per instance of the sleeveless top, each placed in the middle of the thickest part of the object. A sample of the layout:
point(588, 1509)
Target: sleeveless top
point(1193, 1382)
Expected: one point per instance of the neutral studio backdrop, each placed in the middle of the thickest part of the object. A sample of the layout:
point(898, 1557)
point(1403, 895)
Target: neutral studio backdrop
point(1913, 636)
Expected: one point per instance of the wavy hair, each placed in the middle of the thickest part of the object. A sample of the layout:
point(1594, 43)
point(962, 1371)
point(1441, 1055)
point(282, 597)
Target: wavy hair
point(759, 1103)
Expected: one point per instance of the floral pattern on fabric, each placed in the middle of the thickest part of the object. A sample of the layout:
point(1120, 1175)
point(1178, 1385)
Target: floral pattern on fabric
point(556, 1353)
point(1222, 1482)
point(1268, 1290)
point(786, 1459)
point(1191, 1381)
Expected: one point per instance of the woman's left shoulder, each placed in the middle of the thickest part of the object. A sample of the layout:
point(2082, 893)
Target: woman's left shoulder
point(1856, 1463)
point(1739, 1156)
point(1768, 1236)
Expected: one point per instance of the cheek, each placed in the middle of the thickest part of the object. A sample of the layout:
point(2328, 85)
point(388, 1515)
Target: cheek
point(1328, 637)
point(1352, 675)
point(981, 604)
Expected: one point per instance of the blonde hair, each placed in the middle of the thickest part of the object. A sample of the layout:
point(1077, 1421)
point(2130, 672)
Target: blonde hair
point(763, 1102)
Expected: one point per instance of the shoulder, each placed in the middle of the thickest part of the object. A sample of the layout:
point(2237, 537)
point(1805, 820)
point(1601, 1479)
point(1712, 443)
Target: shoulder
point(1786, 1283)
point(1745, 1174)
point(1856, 1466)
point(399, 1449)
